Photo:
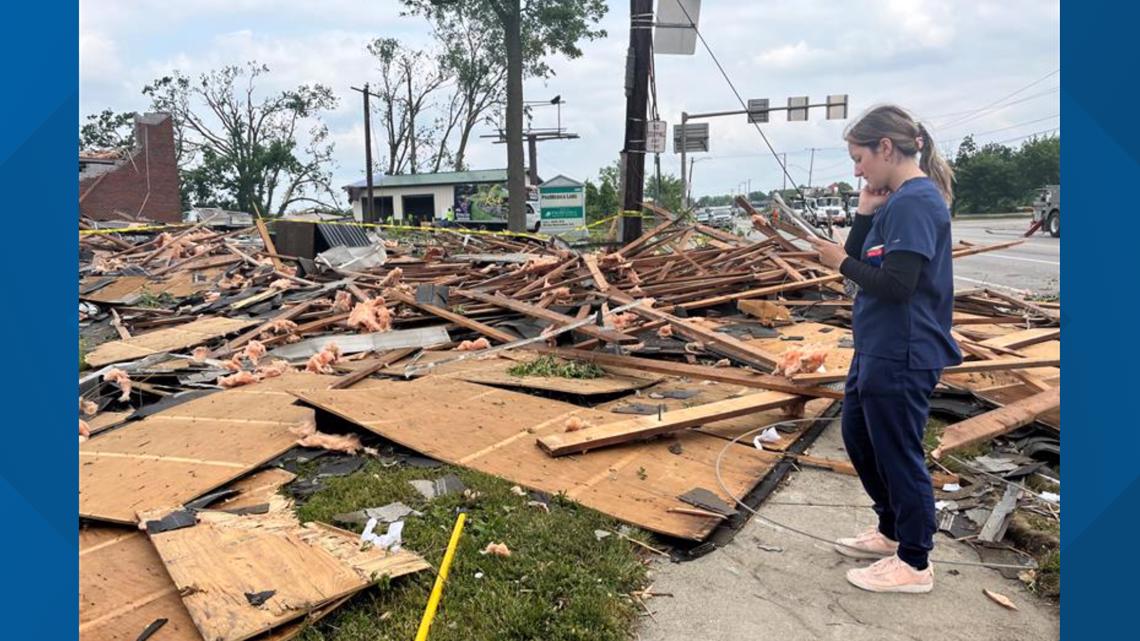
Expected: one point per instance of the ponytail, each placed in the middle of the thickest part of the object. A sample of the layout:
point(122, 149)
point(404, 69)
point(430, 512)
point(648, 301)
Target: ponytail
point(935, 166)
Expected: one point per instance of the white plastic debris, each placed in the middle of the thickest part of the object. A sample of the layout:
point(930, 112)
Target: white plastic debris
point(951, 487)
point(600, 534)
point(1051, 497)
point(769, 435)
point(390, 541)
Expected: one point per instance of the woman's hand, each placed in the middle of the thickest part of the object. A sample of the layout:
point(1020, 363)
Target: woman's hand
point(830, 254)
point(871, 199)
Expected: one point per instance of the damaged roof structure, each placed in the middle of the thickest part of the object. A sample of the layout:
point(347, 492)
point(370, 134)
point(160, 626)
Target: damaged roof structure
point(623, 380)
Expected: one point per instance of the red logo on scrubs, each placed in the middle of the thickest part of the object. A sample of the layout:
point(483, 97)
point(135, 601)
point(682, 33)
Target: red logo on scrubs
point(875, 251)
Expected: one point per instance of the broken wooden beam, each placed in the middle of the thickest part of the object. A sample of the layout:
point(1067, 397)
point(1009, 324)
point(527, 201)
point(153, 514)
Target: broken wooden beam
point(992, 365)
point(1003, 420)
point(733, 375)
point(603, 333)
point(643, 427)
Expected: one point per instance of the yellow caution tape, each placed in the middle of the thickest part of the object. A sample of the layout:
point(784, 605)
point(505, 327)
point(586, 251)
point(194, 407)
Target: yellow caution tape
point(127, 230)
point(462, 231)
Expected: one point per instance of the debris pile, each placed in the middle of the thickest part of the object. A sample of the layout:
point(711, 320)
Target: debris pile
point(210, 352)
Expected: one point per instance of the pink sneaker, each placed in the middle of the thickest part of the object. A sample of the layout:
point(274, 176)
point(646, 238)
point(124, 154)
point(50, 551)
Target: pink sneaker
point(871, 544)
point(892, 574)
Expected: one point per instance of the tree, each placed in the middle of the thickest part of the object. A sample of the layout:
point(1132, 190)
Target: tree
point(407, 80)
point(475, 60)
point(240, 152)
point(108, 130)
point(603, 199)
point(529, 30)
point(666, 193)
point(997, 178)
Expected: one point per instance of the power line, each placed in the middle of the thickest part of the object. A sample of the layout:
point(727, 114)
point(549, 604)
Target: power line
point(1007, 97)
point(739, 98)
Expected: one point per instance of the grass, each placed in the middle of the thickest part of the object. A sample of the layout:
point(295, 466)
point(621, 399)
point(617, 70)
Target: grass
point(933, 432)
point(556, 367)
point(559, 584)
point(155, 301)
point(82, 354)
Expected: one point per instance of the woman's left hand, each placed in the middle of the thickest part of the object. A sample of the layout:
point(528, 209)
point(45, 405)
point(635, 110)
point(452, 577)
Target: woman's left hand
point(830, 254)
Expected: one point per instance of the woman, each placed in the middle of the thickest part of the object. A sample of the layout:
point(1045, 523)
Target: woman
point(898, 252)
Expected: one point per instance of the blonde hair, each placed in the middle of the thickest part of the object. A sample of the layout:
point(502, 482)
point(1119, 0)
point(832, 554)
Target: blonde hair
point(909, 136)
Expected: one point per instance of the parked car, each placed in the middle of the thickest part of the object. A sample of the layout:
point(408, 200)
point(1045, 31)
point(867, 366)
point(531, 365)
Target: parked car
point(831, 208)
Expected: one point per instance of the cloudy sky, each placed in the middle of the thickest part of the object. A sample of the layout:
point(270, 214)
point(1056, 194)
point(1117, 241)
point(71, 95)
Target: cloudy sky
point(968, 67)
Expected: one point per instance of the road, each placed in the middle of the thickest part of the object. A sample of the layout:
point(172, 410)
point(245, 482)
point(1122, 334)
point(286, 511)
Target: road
point(1032, 267)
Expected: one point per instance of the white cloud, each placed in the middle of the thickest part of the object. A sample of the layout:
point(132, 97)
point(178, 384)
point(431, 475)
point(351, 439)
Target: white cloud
point(935, 58)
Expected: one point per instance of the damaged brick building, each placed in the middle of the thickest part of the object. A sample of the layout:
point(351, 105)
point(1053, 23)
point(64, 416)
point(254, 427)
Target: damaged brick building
point(140, 183)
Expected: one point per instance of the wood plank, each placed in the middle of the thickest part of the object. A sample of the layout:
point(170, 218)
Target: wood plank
point(762, 291)
point(263, 231)
point(384, 360)
point(1024, 338)
point(600, 281)
point(165, 340)
point(644, 427)
point(215, 563)
point(174, 456)
point(716, 341)
point(699, 372)
point(493, 431)
point(603, 333)
point(1003, 420)
point(459, 319)
point(963, 251)
point(992, 365)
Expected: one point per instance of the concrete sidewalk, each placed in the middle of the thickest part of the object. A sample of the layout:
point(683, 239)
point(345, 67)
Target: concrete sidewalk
point(743, 591)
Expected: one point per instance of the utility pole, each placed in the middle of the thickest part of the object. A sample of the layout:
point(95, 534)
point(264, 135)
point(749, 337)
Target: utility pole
point(532, 147)
point(811, 165)
point(366, 206)
point(636, 106)
point(784, 170)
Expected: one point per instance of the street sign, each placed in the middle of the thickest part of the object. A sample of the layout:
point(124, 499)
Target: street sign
point(797, 108)
point(655, 131)
point(696, 137)
point(758, 110)
point(562, 206)
point(837, 107)
point(673, 33)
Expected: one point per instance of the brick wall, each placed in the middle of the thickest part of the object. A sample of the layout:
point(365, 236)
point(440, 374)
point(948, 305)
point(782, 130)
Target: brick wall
point(126, 188)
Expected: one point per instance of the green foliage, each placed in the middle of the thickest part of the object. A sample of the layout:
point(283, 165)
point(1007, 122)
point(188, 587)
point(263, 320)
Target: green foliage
point(555, 367)
point(602, 197)
point(997, 178)
point(239, 152)
point(668, 193)
point(107, 130)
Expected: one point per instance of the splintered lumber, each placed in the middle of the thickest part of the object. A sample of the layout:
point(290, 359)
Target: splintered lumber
point(845, 467)
point(1003, 420)
point(608, 335)
point(717, 341)
point(1024, 304)
point(459, 319)
point(123, 589)
point(215, 564)
point(762, 291)
point(644, 427)
point(493, 430)
point(600, 281)
point(1023, 338)
point(165, 340)
point(734, 375)
point(992, 365)
point(183, 452)
point(380, 363)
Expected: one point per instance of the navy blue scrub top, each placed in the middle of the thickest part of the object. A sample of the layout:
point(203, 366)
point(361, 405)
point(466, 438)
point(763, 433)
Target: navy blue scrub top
point(915, 218)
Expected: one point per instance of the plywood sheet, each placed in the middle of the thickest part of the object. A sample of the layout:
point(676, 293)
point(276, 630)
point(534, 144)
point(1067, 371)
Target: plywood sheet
point(124, 587)
point(165, 340)
point(494, 431)
point(127, 290)
point(171, 457)
point(106, 420)
point(215, 563)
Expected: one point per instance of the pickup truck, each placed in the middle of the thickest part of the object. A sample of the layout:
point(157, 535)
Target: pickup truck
point(1047, 209)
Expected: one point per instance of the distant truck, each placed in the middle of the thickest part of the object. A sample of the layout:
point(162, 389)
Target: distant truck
point(1047, 210)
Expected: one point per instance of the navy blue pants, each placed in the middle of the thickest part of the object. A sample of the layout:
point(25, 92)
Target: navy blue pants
point(885, 406)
